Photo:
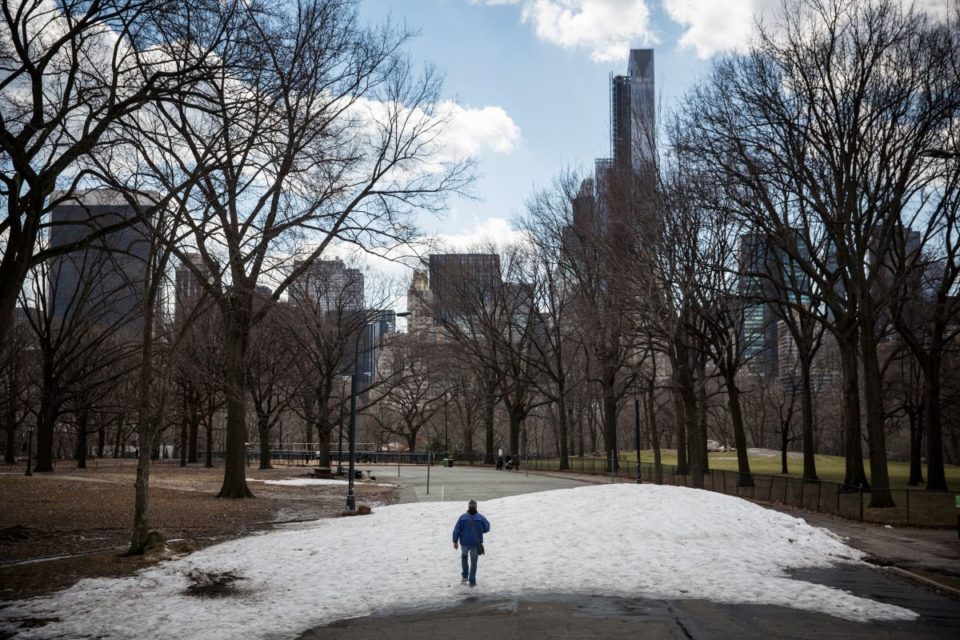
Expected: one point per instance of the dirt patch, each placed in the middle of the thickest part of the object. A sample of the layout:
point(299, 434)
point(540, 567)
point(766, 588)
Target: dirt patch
point(57, 528)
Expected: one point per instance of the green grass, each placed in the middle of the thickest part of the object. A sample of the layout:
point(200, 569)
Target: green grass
point(829, 468)
point(916, 507)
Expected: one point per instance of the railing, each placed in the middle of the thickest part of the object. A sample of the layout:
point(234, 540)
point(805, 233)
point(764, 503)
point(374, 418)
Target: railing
point(914, 507)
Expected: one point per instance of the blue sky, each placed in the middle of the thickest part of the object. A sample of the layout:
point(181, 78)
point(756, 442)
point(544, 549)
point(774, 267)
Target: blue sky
point(534, 74)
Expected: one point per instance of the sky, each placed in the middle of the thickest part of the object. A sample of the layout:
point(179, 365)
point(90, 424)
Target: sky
point(532, 78)
point(653, 546)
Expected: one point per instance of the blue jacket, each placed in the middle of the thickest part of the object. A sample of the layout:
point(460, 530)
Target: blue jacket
point(470, 535)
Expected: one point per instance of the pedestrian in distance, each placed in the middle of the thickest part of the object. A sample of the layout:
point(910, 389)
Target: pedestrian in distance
point(468, 537)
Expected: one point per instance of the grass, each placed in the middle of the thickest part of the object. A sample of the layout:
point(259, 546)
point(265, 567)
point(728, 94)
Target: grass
point(829, 468)
point(914, 506)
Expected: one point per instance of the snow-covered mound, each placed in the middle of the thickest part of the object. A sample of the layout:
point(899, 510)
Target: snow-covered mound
point(620, 540)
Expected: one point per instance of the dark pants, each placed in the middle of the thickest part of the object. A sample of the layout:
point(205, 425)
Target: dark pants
point(474, 558)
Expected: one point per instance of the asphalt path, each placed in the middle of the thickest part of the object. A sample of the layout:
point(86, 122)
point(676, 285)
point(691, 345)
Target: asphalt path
point(465, 483)
point(478, 615)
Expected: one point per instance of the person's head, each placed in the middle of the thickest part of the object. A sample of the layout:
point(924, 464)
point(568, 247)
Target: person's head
point(472, 507)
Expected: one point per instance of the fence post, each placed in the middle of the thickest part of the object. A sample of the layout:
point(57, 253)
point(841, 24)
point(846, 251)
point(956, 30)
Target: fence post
point(723, 480)
point(908, 505)
point(819, 493)
point(786, 485)
point(802, 483)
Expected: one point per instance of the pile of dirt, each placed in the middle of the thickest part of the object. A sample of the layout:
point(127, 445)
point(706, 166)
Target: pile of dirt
point(57, 528)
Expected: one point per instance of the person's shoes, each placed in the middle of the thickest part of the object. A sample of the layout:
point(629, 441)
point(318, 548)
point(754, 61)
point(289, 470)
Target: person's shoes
point(463, 581)
point(473, 584)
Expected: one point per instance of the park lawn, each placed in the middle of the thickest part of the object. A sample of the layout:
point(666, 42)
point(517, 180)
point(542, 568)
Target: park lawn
point(829, 468)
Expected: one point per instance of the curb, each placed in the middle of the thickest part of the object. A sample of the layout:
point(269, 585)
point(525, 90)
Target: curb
point(927, 582)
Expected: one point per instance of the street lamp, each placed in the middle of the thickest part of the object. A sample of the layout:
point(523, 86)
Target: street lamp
point(29, 449)
point(352, 435)
point(446, 444)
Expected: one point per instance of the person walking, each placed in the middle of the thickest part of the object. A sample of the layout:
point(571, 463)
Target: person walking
point(468, 535)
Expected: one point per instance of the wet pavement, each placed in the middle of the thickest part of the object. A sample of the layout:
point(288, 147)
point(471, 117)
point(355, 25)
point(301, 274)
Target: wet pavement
point(475, 614)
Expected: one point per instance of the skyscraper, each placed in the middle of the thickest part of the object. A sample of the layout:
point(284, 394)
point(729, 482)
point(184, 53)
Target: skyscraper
point(457, 280)
point(188, 287)
point(331, 285)
point(633, 114)
point(106, 278)
point(626, 182)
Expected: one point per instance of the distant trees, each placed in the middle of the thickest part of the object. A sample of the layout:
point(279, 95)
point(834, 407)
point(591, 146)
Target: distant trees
point(817, 139)
point(71, 72)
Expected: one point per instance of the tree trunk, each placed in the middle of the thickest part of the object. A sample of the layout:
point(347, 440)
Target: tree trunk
point(10, 444)
point(263, 430)
point(208, 457)
point(235, 452)
point(118, 440)
point(744, 476)
point(324, 433)
point(184, 435)
point(489, 407)
point(784, 441)
point(564, 430)
point(145, 440)
point(82, 422)
point(515, 419)
point(916, 446)
point(138, 542)
point(701, 385)
point(609, 424)
point(806, 418)
point(880, 496)
point(101, 437)
point(47, 418)
point(193, 436)
point(936, 475)
point(9, 450)
point(654, 432)
point(854, 474)
point(45, 424)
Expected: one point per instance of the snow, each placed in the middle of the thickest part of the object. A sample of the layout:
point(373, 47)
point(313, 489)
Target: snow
point(619, 540)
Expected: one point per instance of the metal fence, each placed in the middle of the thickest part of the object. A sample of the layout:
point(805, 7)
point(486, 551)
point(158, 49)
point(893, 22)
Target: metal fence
point(914, 507)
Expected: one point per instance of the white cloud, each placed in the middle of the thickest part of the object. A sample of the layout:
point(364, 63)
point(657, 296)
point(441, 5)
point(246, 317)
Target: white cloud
point(714, 25)
point(494, 232)
point(605, 28)
point(471, 132)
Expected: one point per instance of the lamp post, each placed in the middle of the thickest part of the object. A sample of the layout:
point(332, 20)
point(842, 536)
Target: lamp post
point(29, 449)
point(340, 444)
point(446, 444)
point(352, 433)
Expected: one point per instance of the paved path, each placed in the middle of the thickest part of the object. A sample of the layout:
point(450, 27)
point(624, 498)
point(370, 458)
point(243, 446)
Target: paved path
point(476, 615)
point(463, 483)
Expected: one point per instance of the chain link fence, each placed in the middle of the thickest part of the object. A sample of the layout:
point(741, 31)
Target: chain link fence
point(914, 507)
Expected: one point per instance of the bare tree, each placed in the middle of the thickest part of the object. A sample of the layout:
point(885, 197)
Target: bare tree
point(549, 228)
point(16, 363)
point(69, 71)
point(818, 136)
point(413, 398)
point(77, 329)
point(314, 130)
